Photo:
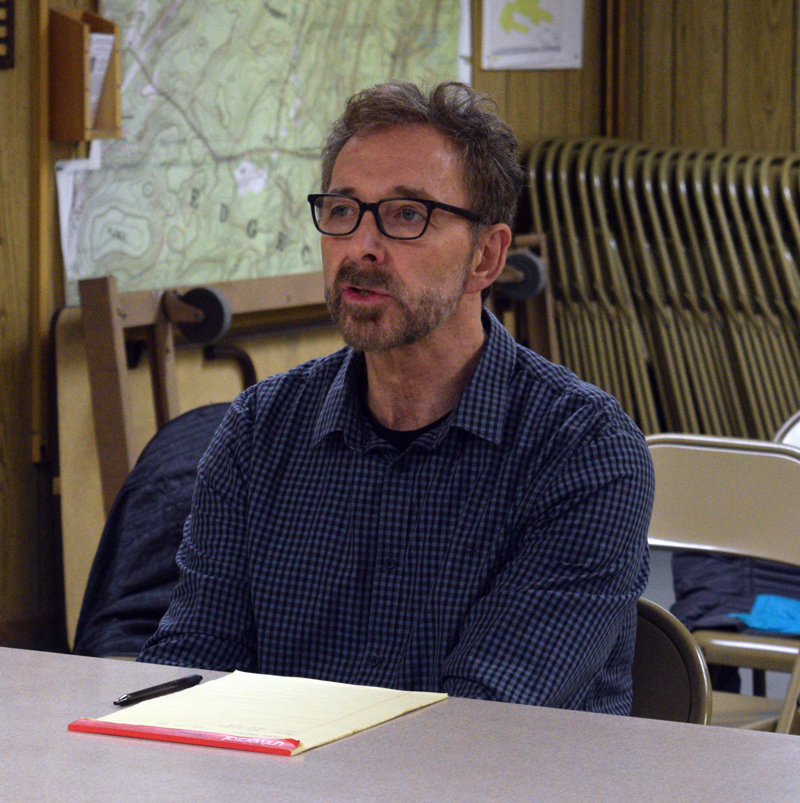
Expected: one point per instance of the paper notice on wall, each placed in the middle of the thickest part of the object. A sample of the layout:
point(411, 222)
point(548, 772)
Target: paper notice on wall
point(70, 175)
point(532, 34)
point(101, 46)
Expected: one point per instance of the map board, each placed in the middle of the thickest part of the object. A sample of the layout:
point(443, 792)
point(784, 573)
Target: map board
point(225, 105)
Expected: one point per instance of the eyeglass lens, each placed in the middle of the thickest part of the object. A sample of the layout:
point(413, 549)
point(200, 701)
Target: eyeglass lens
point(403, 218)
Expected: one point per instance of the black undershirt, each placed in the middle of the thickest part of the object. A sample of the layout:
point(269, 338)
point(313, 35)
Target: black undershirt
point(401, 439)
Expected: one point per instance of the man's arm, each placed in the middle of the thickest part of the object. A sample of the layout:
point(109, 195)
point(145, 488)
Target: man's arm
point(557, 627)
point(209, 623)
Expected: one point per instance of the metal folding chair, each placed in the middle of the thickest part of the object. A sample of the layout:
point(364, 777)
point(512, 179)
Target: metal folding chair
point(740, 497)
point(670, 677)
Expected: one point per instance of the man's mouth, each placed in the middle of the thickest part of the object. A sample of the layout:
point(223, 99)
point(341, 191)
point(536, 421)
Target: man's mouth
point(354, 291)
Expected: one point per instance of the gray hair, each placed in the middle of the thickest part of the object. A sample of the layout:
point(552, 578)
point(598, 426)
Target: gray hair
point(493, 176)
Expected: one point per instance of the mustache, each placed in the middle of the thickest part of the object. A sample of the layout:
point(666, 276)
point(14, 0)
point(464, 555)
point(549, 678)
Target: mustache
point(360, 276)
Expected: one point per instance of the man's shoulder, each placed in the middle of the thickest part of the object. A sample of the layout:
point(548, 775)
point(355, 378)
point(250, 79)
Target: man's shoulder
point(533, 404)
point(288, 400)
point(573, 434)
point(554, 397)
point(314, 375)
point(537, 376)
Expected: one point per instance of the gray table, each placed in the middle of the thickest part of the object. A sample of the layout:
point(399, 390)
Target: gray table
point(457, 750)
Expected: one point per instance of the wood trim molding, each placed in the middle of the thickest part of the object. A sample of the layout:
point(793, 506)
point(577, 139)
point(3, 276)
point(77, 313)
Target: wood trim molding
point(269, 294)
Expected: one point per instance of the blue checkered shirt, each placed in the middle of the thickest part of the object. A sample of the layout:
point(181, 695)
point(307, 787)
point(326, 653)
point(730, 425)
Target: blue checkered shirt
point(500, 556)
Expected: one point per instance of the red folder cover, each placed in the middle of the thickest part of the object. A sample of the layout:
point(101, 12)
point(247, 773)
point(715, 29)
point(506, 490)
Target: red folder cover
point(281, 747)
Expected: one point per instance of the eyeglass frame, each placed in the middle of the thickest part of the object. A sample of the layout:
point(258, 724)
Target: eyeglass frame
point(373, 207)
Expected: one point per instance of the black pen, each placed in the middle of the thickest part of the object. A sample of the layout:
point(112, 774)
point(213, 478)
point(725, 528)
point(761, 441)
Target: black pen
point(156, 691)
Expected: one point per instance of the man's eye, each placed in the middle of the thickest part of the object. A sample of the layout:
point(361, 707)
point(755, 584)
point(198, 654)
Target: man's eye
point(341, 210)
point(410, 214)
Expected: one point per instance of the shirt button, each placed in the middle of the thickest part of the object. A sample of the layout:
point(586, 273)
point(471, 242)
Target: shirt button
point(375, 659)
point(389, 564)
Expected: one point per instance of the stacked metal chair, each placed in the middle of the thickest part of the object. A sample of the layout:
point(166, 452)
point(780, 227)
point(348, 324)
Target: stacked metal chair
point(675, 279)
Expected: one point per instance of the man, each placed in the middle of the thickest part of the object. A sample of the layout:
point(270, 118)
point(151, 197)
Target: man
point(433, 507)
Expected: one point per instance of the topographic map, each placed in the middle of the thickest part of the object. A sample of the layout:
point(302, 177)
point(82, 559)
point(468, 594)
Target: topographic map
point(225, 105)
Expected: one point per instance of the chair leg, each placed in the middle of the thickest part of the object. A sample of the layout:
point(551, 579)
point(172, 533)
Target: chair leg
point(759, 683)
point(788, 721)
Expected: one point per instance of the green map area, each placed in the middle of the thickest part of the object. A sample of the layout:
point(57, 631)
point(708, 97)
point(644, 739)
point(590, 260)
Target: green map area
point(225, 106)
point(524, 8)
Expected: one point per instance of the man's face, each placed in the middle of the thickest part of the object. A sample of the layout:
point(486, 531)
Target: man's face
point(385, 293)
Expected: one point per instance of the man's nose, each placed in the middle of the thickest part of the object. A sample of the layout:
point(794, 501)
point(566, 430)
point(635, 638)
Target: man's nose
point(367, 241)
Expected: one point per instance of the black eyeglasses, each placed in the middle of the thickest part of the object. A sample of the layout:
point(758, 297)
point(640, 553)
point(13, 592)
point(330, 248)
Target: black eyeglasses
point(398, 218)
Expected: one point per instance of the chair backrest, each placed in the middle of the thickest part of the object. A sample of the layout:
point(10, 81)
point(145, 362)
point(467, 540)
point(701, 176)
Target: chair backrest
point(726, 495)
point(789, 433)
point(670, 677)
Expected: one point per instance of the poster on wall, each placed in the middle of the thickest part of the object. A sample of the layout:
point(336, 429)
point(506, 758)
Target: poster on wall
point(532, 34)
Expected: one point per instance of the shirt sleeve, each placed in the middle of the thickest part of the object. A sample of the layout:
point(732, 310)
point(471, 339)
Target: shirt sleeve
point(557, 627)
point(209, 623)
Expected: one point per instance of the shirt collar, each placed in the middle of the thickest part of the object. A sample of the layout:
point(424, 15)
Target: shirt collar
point(481, 409)
point(340, 412)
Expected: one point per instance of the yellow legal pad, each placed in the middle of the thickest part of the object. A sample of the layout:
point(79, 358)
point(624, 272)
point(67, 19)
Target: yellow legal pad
point(263, 713)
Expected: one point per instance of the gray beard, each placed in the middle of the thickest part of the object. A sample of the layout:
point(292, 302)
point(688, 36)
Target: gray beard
point(417, 320)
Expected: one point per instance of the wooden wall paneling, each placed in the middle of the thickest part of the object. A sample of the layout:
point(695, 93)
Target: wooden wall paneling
point(41, 233)
point(547, 103)
point(699, 98)
point(759, 76)
point(629, 73)
point(29, 571)
point(46, 268)
point(537, 105)
point(707, 73)
point(31, 602)
point(560, 93)
point(45, 276)
point(557, 103)
point(18, 588)
point(613, 27)
point(526, 110)
point(551, 103)
point(587, 84)
point(657, 96)
point(490, 82)
point(796, 78)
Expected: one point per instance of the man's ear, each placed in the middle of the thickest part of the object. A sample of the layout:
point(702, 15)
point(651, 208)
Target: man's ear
point(489, 257)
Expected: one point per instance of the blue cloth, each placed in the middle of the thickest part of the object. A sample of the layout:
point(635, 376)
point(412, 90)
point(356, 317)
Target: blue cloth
point(500, 556)
point(774, 614)
point(711, 587)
